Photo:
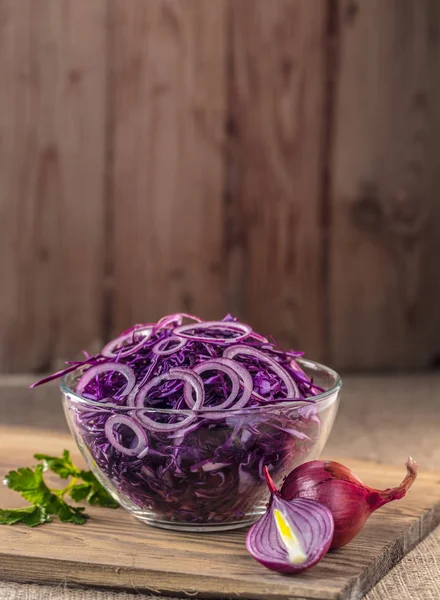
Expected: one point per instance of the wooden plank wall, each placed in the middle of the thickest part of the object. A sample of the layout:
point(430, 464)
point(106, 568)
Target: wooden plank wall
point(385, 186)
point(278, 103)
point(52, 155)
point(275, 159)
point(168, 97)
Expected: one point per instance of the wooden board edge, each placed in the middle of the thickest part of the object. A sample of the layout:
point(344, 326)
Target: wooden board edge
point(393, 554)
point(119, 579)
point(47, 571)
point(178, 585)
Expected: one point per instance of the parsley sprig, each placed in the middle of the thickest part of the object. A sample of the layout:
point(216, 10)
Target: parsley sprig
point(46, 502)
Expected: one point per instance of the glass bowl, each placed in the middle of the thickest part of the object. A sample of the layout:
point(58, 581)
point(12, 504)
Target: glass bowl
point(207, 474)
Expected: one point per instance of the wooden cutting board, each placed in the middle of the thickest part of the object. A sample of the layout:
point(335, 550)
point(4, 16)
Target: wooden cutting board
point(113, 550)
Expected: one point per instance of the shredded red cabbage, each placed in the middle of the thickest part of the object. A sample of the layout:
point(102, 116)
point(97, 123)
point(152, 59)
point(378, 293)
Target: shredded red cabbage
point(194, 445)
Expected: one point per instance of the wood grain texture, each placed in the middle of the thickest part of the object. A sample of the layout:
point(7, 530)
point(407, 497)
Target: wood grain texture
point(52, 73)
point(168, 106)
point(276, 145)
point(375, 426)
point(417, 576)
point(113, 550)
point(385, 169)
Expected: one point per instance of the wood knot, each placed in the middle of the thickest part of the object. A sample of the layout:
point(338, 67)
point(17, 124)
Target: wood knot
point(351, 11)
point(75, 76)
point(367, 214)
point(404, 214)
point(287, 69)
point(420, 100)
point(177, 274)
point(400, 212)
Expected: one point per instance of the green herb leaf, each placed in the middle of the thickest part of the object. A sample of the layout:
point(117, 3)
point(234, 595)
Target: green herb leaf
point(102, 498)
point(80, 491)
point(67, 513)
point(14, 515)
point(30, 516)
point(37, 517)
point(98, 494)
point(63, 466)
point(46, 501)
point(30, 484)
point(89, 477)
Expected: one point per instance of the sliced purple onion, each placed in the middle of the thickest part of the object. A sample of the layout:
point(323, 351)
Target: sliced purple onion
point(141, 448)
point(189, 331)
point(168, 320)
point(175, 319)
point(131, 398)
point(136, 327)
point(108, 367)
point(227, 365)
point(195, 384)
point(246, 379)
point(162, 348)
point(115, 347)
point(292, 535)
point(258, 337)
point(292, 390)
point(191, 317)
point(217, 365)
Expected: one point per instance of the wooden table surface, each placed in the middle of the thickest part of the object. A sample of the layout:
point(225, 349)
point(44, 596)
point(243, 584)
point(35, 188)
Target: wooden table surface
point(384, 418)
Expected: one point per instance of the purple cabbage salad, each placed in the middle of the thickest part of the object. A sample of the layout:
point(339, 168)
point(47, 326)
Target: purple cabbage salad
point(187, 415)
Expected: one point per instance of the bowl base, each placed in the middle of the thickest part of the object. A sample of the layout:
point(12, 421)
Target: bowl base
point(151, 519)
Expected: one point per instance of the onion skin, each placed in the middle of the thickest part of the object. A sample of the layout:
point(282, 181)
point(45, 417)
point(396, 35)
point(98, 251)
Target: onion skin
point(350, 501)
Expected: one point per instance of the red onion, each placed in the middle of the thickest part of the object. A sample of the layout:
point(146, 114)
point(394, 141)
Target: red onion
point(137, 326)
point(210, 365)
point(292, 535)
point(349, 500)
point(189, 331)
point(141, 448)
point(188, 376)
point(115, 347)
point(109, 367)
point(163, 348)
point(246, 380)
point(259, 338)
point(234, 371)
point(291, 387)
point(175, 319)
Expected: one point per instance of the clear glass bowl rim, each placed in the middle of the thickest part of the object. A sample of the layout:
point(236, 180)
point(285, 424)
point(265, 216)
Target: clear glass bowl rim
point(311, 364)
